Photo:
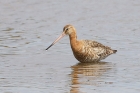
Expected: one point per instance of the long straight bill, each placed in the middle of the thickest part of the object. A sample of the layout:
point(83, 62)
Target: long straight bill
point(62, 35)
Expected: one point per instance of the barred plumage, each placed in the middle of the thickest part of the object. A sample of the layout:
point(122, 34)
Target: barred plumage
point(85, 50)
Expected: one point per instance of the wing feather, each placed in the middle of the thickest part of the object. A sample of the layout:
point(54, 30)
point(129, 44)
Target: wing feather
point(98, 48)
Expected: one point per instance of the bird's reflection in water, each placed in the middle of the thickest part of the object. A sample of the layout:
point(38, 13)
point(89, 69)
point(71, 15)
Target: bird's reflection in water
point(87, 74)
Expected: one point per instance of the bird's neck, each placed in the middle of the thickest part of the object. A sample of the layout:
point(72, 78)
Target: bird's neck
point(73, 40)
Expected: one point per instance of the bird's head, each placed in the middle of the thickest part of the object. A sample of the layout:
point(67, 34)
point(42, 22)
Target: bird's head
point(67, 30)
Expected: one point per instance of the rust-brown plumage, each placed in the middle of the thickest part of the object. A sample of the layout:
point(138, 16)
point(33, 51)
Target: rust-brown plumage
point(85, 50)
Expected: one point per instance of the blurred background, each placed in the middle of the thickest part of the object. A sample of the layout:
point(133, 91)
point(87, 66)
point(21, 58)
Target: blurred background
point(28, 27)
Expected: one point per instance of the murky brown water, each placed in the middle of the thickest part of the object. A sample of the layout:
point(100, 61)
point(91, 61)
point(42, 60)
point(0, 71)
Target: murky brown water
point(28, 27)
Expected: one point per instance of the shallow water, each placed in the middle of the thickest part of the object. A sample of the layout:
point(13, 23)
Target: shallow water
point(29, 27)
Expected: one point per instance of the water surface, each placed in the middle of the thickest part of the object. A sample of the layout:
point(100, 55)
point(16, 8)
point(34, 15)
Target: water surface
point(27, 28)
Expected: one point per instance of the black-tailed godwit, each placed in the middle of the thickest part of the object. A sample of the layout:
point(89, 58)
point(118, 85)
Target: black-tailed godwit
point(85, 50)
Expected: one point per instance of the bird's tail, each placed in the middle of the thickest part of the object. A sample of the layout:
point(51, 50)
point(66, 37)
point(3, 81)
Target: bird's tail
point(114, 51)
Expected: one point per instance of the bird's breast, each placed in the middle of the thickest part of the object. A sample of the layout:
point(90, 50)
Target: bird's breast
point(83, 53)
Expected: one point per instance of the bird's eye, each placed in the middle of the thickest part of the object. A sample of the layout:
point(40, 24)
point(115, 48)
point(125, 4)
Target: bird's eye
point(66, 29)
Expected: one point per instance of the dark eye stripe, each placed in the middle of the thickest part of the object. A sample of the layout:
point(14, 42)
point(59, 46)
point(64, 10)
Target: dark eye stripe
point(66, 29)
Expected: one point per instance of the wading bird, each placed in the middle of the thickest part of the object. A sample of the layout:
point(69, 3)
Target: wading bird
point(84, 50)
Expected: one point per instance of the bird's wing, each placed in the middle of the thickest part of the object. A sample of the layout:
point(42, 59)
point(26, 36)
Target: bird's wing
point(93, 43)
point(98, 48)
